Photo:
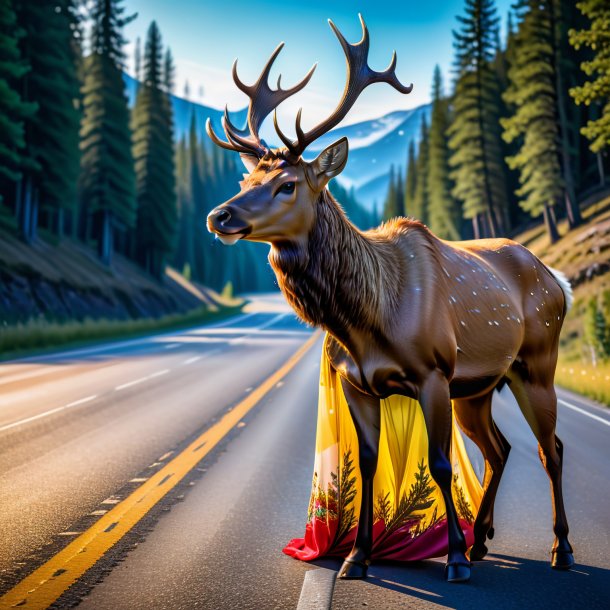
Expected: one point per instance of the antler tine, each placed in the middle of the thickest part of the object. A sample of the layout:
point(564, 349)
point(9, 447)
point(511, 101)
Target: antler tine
point(263, 99)
point(283, 137)
point(227, 145)
point(389, 76)
point(364, 42)
point(236, 136)
point(299, 129)
point(359, 76)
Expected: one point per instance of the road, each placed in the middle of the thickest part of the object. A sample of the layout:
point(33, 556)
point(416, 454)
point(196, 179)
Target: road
point(82, 432)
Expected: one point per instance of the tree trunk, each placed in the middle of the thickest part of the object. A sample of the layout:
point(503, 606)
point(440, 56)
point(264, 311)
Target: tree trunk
point(18, 200)
point(476, 227)
point(572, 207)
point(104, 242)
point(33, 229)
point(572, 210)
point(26, 210)
point(493, 224)
point(551, 225)
point(59, 227)
point(600, 169)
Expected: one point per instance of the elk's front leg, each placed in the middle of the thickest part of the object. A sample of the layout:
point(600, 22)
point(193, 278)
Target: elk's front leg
point(365, 413)
point(436, 404)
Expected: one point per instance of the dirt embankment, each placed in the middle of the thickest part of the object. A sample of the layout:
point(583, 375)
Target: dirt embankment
point(67, 282)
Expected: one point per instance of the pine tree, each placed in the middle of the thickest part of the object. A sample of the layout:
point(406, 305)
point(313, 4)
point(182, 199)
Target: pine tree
point(411, 180)
point(137, 60)
point(107, 186)
point(596, 332)
point(13, 108)
point(169, 71)
point(181, 258)
point(197, 204)
point(391, 205)
point(597, 68)
point(474, 134)
point(52, 133)
point(419, 208)
point(399, 204)
point(532, 93)
point(442, 217)
point(153, 151)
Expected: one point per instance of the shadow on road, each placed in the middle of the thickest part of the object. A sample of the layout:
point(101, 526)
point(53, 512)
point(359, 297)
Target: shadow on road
point(501, 581)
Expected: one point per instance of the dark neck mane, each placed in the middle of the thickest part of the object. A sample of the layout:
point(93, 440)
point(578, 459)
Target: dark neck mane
point(336, 280)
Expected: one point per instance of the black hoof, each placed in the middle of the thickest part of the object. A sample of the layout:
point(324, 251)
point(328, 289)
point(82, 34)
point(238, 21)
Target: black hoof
point(353, 570)
point(457, 572)
point(490, 533)
point(562, 560)
point(478, 551)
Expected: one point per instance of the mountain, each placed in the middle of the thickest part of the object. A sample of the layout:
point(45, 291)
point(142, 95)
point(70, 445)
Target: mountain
point(374, 144)
point(184, 109)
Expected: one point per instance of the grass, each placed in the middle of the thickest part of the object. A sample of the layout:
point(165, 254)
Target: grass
point(593, 381)
point(39, 335)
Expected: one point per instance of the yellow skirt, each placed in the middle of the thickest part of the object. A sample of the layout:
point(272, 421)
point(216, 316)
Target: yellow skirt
point(409, 511)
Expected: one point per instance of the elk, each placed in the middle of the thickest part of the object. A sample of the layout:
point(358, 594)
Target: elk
point(404, 311)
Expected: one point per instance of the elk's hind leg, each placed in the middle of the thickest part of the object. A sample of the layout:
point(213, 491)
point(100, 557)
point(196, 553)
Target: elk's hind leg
point(474, 417)
point(538, 402)
point(365, 412)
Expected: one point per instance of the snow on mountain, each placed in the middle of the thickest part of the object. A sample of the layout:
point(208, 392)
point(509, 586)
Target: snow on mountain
point(368, 167)
point(375, 145)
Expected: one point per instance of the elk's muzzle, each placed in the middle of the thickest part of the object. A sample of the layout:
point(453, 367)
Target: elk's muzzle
point(224, 221)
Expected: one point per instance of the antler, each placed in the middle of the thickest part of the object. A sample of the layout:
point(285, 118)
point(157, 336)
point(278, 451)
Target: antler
point(263, 100)
point(359, 76)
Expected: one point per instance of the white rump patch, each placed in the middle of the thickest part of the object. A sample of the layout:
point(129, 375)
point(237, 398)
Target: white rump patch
point(564, 284)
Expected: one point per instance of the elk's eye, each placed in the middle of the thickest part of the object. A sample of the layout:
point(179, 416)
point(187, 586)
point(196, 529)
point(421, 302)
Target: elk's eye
point(287, 187)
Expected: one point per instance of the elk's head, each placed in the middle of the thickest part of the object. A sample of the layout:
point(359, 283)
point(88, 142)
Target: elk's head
point(278, 196)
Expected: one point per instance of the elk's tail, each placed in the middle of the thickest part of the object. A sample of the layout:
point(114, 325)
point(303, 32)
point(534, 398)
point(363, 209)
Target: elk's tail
point(565, 286)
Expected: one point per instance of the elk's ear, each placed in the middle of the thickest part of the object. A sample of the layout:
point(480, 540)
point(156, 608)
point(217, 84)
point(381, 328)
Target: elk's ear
point(330, 162)
point(250, 161)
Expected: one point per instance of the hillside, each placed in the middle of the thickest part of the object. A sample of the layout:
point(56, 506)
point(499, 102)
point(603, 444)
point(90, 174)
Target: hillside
point(67, 282)
point(583, 254)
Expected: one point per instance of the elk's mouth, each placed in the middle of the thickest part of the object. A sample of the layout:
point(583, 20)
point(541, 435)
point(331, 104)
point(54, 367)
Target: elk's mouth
point(228, 239)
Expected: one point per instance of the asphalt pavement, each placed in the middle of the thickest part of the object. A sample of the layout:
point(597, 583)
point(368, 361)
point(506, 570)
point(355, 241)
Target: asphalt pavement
point(80, 430)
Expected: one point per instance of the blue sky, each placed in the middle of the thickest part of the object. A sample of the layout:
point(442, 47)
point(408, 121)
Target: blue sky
point(205, 38)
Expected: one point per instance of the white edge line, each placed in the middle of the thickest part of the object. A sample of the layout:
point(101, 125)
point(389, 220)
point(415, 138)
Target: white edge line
point(47, 413)
point(164, 372)
point(33, 418)
point(583, 411)
point(158, 374)
point(81, 401)
point(130, 383)
point(114, 343)
point(191, 360)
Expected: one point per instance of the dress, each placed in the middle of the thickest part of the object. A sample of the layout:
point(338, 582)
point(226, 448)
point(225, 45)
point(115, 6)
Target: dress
point(409, 511)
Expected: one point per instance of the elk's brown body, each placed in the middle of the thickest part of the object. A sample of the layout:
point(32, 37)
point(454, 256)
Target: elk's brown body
point(398, 301)
point(406, 312)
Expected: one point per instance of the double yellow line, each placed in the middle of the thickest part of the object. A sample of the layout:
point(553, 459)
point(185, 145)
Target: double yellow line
point(46, 584)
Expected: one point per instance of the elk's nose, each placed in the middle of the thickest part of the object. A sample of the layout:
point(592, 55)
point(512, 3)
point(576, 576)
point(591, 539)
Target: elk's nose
point(218, 217)
point(222, 216)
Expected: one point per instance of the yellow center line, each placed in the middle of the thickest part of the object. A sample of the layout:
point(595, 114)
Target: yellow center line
point(46, 584)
